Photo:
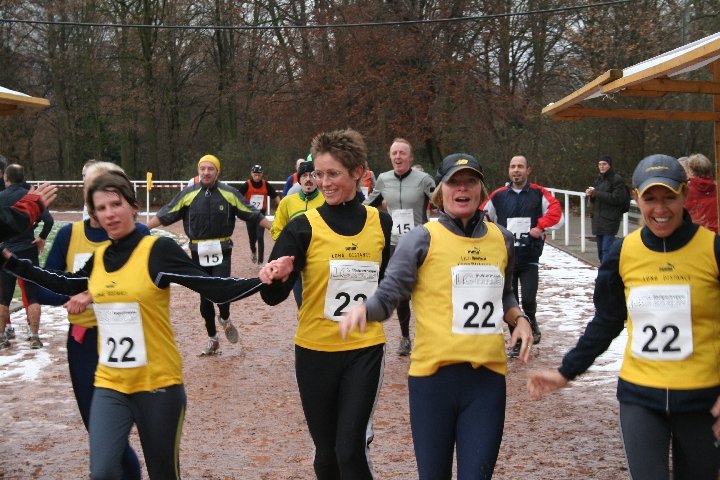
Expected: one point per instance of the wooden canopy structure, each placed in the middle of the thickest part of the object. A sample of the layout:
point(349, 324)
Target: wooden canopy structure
point(652, 78)
point(12, 102)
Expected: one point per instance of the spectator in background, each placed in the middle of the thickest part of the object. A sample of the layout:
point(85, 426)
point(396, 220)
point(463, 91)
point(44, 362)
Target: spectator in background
point(293, 179)
point(23, 214)
point(607, 197)
point(257, 191)
point(25, 246)
point(701, 200)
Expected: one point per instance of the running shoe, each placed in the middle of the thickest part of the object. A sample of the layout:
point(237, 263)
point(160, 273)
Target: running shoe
point(231, 332)
point(4, 341)
point(35, 343)
point(405, 347)
point(9, 332)
point(212, 346)
point(515, 352)
point(254, 257)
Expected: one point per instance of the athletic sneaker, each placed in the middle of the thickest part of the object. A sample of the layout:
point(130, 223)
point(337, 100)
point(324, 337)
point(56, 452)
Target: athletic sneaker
point(35, 343)
point(254, 257)
point(515, 352)
point(4, 341)
point(405, 347)
point(9, 332)
point(231, 332)
point(212, 346)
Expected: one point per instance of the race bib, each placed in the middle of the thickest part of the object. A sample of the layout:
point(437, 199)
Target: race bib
point(122, 340)
point(209, 253)
point(662, 322)
point(257, 201)
point(477, 299)
point(351, 283)
point(403, 221)
point(79, 260)
point(518, 226)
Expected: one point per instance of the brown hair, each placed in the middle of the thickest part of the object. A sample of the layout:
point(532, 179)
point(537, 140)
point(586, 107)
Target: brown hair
point(346, 146)
point(112, 181)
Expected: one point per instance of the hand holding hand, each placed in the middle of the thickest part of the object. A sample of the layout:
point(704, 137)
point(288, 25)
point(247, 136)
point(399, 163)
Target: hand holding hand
point(278, 269)
point(78, 303)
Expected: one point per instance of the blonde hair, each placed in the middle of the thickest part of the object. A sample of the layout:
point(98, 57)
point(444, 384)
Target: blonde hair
point(699, 165)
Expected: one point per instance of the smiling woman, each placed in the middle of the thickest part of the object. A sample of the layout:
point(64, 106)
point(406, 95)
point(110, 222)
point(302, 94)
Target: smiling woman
point(662, 281)
point(340, 250)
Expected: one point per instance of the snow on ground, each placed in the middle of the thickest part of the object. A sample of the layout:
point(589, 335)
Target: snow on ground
point(564, 306)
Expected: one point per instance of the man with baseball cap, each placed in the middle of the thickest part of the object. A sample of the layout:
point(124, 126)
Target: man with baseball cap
point(208, 210)
point(527, 210)
point(257, 191)
point(295, 204)
point(607, 197)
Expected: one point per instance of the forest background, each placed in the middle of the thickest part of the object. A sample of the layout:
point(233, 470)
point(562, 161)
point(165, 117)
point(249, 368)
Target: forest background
point(252, 82)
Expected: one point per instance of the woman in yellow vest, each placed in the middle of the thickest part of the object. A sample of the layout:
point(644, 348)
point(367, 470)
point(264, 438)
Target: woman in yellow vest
point(138, 380)
point(458, 272)
point(340, 250)
point(663, 280)
point(73, 245)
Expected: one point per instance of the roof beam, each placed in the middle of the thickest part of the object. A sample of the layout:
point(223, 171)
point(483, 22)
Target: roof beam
point(665, 85)
point(592, 88)
point(637, 114)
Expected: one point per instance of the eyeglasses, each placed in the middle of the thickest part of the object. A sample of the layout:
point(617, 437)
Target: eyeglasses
point(330, 174)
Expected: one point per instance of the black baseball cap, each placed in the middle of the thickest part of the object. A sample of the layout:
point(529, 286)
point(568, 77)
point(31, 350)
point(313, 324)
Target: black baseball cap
point(456, 162)
point(659, 170)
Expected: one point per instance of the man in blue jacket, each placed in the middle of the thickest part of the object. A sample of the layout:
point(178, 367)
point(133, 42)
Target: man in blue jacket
point(527, 210)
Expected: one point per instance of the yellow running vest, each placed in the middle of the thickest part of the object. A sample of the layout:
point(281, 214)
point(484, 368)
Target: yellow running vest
point(340, 272)
point(673, 324)
point(135, 339)
point(457, 302)
point(80, 249)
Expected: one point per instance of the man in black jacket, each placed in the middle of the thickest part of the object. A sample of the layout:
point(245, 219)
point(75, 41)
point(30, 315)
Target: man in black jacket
point(607, 198)
point(26, 246)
